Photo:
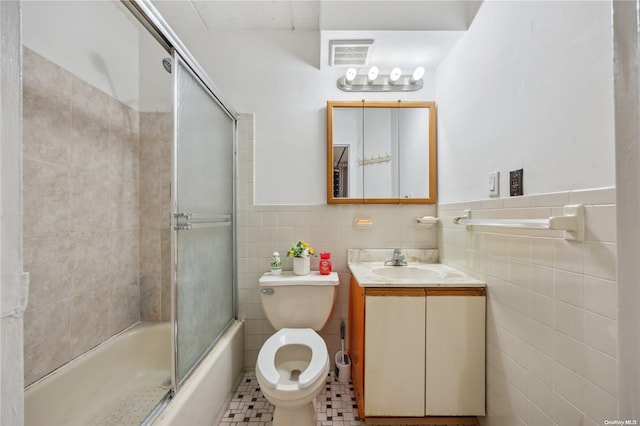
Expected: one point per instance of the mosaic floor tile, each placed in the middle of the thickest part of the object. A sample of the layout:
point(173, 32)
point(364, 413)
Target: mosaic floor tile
point(335, 405)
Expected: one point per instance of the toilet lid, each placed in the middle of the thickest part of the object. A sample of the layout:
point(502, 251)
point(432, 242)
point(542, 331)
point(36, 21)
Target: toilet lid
point(293, 336)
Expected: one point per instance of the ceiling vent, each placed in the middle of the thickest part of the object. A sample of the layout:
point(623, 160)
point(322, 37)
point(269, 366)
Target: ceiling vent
point(349, 53)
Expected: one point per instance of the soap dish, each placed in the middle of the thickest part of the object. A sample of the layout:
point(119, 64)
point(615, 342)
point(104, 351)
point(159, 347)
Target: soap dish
point(426, 222)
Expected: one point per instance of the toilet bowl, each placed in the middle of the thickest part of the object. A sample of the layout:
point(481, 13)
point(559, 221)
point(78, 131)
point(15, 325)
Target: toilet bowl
point(293, 363)
point(291, 369)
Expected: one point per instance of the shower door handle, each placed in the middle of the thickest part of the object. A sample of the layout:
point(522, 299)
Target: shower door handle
point(187, 221)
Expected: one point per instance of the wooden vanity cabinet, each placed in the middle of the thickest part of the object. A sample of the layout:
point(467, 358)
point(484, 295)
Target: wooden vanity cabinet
point(417, 352)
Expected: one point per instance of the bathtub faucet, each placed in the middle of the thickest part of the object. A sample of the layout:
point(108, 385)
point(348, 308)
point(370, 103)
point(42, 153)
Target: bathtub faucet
point(397, 260)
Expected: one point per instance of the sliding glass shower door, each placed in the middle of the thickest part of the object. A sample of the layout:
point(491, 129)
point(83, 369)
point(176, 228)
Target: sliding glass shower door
point(203, 212)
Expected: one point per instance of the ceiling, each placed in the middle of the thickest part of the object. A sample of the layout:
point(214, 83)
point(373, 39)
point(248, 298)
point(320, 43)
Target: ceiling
point(420, 32)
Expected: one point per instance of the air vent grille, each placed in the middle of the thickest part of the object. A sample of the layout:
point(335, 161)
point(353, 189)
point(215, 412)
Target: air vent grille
point(349, 53)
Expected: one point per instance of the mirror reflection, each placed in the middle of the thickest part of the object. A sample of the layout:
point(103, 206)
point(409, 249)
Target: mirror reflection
point(381, 152)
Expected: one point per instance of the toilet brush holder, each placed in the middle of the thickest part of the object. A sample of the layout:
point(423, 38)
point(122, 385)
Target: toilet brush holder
point(343, 367)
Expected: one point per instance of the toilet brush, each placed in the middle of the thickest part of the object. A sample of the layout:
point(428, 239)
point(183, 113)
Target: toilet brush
point(344, 355)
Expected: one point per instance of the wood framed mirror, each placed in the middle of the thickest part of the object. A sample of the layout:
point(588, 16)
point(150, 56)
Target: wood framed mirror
point(381, 152)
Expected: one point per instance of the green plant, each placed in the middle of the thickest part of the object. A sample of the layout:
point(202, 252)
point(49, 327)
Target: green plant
point(300, 249)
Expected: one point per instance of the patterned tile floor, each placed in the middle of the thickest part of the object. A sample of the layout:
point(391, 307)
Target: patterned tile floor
point(335, 406)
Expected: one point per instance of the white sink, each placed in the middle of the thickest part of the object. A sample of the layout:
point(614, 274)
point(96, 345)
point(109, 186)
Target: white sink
point(407, 272)
point(368, 267)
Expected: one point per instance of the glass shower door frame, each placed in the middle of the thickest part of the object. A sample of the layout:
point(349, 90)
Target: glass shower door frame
point(180, 222)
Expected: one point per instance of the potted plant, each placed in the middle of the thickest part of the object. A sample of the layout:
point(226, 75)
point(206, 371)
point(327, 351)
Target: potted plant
point(301, 253)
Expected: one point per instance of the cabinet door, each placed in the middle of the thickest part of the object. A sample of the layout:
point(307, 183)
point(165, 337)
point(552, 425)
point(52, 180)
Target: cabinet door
point(356, 341)
point(394, 351)
point(455, 355)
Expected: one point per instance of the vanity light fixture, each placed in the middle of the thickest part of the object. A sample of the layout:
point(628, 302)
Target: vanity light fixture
point(372, 74)
point(395, 75)
point(373, 81)
point(350, 75)
point(417, 75)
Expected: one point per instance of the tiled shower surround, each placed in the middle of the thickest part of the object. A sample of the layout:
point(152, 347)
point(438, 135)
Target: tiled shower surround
point(551, 307)
point(91, 256)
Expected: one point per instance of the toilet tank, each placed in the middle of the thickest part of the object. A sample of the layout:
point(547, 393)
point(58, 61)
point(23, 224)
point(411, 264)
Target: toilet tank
point(298, 301)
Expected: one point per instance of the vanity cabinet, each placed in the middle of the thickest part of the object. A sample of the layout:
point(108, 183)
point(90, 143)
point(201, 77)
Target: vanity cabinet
point(418, 352)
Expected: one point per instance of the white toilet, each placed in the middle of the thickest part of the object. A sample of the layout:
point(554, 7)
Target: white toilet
point(294, 362)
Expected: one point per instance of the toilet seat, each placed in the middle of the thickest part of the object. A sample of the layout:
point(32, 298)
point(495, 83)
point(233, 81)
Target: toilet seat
point(293, 336)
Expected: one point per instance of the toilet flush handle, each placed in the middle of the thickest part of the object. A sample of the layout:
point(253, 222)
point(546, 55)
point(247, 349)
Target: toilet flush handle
point(266, 291)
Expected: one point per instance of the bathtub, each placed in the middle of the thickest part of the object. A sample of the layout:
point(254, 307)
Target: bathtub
point(116, 383)
point(203, 398)
point(120, 381)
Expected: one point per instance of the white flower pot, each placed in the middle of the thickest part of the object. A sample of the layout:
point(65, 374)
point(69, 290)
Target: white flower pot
point(302, 265)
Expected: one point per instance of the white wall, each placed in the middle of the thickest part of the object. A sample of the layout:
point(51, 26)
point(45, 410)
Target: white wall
point(274, 74)
point(529, 86)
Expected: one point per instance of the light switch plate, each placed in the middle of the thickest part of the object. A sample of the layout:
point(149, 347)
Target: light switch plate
point(494, 184)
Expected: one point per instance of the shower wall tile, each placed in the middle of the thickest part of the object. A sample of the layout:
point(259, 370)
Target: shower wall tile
point(47, 260)
point(46, 200)
point(87, 313)
point(124, 257)
point(90, 127)
point(563, 311)
point(46, 110)
point(81, 215)
point(165, 280)
point(89, 208)
point(46, 339)
point(155, 207)
point(124, 203)
point(261, 230)
point(124, 141)
point(150, 247)
point(90, 267)
point(151, 206)
point(125, 306)
point(150, 297)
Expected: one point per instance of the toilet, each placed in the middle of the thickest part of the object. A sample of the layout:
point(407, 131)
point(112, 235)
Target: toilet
point(293, 363)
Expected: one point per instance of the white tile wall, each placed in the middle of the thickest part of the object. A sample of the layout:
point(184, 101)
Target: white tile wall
point(551, 317)
point(264, 229)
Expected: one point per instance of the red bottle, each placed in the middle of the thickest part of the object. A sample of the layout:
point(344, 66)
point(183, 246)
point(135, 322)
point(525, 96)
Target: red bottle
point(325, 263)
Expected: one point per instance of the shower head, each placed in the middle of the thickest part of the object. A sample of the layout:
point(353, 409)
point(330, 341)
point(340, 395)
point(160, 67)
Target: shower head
point(166, 63)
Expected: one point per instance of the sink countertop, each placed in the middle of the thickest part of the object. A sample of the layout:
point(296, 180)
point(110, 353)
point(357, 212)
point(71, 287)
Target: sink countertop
point(363, 262)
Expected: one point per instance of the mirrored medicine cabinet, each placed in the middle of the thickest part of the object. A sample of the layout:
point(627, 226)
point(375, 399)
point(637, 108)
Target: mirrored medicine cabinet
point(381, 152)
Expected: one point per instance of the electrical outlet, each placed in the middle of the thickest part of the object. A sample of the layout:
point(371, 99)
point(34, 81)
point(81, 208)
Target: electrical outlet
point(515, 182)
point(494, 184)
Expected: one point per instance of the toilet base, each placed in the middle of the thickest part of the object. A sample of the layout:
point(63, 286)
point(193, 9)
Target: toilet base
point(301, 416)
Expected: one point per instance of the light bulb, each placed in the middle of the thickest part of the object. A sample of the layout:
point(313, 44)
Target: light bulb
point(350, 75)
point(395, 74)
point(373, 74)
point(417, 74)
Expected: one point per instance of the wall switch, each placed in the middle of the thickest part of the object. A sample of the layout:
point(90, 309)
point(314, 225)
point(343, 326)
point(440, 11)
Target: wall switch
point(494, 184)
point(515, 182)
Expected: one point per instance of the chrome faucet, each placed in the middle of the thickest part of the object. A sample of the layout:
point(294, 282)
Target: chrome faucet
point(397, 260)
